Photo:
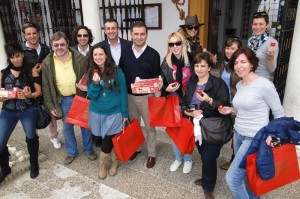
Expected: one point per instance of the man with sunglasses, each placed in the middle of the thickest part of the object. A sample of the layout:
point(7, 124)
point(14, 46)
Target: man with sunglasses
point(83, 37)
point(62, 69)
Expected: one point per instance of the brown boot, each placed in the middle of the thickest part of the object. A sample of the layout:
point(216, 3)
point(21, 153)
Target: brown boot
point(115, 163)
point(226, 166)
point(103, 162)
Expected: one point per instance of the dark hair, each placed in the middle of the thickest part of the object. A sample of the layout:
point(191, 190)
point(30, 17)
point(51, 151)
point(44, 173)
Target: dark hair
point(57, 36)
point(139, 24)
point(229, 42)
point(74, 34)
point(258, 15)
point(30, 25)
point(202, 56)
point(110, 20)
point(109, 68)
point(11, 49)
point(251, 56)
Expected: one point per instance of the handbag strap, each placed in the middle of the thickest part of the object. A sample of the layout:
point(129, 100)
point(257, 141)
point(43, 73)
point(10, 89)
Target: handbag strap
point(123, 127)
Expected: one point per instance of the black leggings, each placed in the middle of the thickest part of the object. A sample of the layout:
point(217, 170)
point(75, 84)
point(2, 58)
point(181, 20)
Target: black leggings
point(107, 144)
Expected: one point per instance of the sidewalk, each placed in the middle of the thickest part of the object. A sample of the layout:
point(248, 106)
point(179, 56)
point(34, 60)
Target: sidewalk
point(134, 180)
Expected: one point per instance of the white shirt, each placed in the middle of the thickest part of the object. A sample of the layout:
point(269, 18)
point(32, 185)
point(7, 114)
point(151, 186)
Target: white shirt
point(115, 51)
point(38, 50)
point(136, 53)
point(84, 52)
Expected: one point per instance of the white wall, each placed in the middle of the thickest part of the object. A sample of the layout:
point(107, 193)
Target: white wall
point(3, 59)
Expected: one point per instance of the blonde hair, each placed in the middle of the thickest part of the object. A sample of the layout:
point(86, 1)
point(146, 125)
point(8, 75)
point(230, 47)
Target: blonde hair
point(184, 54)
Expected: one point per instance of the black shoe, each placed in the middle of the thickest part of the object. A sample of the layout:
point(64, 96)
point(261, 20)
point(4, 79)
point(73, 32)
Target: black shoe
point(208, 195)
point(4, 173)
point(134, 155)
point(198, 182)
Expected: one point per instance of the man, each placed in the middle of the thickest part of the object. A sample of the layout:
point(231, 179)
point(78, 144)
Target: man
point(83, 37)
point(35, 52)
point(62, 68)
point(113, 43)
point(140, 60)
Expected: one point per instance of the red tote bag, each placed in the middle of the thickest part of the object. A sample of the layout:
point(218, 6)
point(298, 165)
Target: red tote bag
point(164, 111)
point(183, 136)
point(79, 112)
point(128, 140)
point(286, 170)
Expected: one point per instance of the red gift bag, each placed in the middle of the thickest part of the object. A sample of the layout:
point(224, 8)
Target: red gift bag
point(183, 136)
point(286, 170)
point(79, 112)
point(128, 140)
point(164, 111)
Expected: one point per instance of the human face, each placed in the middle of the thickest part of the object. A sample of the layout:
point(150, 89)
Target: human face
point(202, 69)
point(32, 37)
point(193, 32)
point(229, 50)
point(60, 47)
point(139, 37)
point(242, 66)
point(82, 37)
point(99, 57)
point(111, 30)
point(259, 26)
point(17, 59)
point(176, 49)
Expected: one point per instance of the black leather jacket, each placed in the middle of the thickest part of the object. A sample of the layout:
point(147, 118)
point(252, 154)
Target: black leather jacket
point(32, 58)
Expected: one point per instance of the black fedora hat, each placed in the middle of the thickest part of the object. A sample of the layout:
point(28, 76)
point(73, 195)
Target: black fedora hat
point(191, 20)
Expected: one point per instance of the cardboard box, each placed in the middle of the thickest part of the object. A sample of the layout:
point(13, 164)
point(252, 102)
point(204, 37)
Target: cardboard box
point(9, 94)
point(144, 86)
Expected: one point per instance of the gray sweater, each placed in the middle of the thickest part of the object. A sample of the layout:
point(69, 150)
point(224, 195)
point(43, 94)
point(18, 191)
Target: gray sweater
point(252, 103)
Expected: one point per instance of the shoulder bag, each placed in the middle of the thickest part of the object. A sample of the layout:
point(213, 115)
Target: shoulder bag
point(43, 115)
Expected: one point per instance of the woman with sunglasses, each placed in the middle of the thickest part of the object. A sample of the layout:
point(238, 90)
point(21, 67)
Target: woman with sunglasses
point(176, 74)
point(265, 47)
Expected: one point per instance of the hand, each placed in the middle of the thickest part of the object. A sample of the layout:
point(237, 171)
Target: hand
point(271, 53)
point(172, 87)
point(270, 141)
point(81, 87)
point(54, 113)
point(203, 97)
point(96, 78)
point(3, 99)
point(38, 67)
point(225, 110)
point(125, 120)
point(27, 91)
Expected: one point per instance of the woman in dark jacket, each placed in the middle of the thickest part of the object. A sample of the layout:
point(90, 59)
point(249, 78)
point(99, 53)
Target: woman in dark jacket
point(214, 93)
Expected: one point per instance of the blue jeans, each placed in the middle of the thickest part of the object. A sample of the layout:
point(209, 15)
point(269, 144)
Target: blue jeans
point(236, 175)
point(9, 120)
point(69, 134)
point(179, 156)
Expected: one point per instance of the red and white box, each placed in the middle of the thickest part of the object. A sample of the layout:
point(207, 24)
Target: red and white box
point(10, 94)
point(144, 86)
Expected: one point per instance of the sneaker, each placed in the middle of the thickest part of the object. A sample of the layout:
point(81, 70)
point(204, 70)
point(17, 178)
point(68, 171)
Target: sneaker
point(56, 143)
point(187, 166)
point(91, 156)
point(175, 165)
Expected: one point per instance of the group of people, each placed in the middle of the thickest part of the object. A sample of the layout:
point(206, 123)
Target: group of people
point(111, 66)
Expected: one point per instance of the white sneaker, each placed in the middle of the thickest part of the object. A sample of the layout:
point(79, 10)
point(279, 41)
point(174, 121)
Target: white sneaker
point(56, 143)
point(174, 166)
point(187, 166)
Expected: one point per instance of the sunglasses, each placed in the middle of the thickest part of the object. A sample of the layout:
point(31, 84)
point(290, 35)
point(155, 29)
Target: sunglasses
point(260, 14)
point(177, 43)
point(84, 35)
point(193, 27)
point(57, 45)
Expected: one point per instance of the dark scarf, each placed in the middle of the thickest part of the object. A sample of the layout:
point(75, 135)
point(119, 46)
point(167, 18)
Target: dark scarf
point(15, 68)
point(180, 64)
point(260, 40)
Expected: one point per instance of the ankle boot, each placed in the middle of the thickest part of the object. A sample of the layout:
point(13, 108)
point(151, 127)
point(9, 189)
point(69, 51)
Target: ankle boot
point(4, 164)
point(33, 150)
point(103, 162)
point(115, 163)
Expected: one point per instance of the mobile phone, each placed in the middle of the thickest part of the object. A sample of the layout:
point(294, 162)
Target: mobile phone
point(189, 110)
point(275, 141)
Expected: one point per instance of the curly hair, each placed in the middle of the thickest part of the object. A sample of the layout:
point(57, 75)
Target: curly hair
point(74, 34)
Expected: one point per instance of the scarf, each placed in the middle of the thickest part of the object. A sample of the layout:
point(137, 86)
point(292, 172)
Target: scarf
point(260, 40)
point(180, 64)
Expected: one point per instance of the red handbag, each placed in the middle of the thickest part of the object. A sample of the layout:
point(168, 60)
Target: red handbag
point(183, 136)
point(286, 170)
point(164, 111)
point(79, 112)
point(128, 140)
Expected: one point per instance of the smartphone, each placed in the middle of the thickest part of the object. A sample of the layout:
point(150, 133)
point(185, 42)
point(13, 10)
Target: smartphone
point(189, 110)
point(275, 141)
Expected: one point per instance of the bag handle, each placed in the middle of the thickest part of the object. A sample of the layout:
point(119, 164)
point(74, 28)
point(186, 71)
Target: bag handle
point(123, 127)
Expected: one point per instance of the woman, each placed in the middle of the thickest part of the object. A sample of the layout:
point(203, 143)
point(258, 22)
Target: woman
point(108, 107)
point(176, 74)
point(229, 76)
point(262, 44)
point(252, 102)
point(214, 93)
point(18, 77)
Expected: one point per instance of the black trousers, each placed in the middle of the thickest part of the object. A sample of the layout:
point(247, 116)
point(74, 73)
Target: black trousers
point(107, 144)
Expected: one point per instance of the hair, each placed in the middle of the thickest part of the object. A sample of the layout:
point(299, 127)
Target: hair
point(177, 35)
point(183, 31)
point(259, 15)
point(138, 24)
point(57, 36)
point(74, 34)
point(30, 25)
point(251, 56)
point(110, 20)
point(200, 57)
point(109, 68)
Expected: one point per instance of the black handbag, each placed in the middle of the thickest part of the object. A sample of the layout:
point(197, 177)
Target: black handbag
point(216, 130)
point(43, 115)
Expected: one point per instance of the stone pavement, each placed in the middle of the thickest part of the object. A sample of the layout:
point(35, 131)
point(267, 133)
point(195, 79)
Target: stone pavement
point(134, 180)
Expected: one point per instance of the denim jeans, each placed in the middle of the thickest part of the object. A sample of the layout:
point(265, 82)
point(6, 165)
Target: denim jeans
point(179, 156)
point(69, 134)
point(236, 175)
point(9, 120)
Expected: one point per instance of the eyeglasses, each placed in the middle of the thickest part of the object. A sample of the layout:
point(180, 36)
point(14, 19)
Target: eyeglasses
point(260, 14)
point(193, 27)
point(57, 45)
point(84, 35)
point(177, 43)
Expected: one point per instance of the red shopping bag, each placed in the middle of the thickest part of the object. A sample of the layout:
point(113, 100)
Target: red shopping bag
point(164, 111)
point(183, 136)
point(128, 140)
point(286, 170)
point(79, 112)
